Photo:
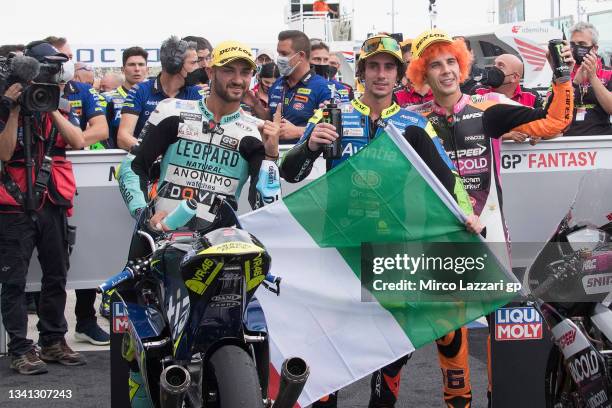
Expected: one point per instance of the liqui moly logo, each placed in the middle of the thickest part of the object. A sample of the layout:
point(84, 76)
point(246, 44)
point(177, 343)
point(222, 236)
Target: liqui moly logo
point(518, 323)
point(120, 318)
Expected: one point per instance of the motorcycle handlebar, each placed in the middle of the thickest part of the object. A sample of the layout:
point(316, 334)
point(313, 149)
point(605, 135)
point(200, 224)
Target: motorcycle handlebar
point(545, 286)
point(126, 274)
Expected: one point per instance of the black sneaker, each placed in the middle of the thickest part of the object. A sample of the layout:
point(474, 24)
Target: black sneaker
point(61, 353)
point(28, 364)
point(92, 333)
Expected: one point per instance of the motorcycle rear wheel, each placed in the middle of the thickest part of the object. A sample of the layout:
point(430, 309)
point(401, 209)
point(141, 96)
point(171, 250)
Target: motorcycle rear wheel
point(237, 380)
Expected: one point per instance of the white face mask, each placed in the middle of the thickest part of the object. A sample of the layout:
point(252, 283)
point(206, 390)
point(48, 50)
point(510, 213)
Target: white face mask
point(284, 67)
point(67, 71)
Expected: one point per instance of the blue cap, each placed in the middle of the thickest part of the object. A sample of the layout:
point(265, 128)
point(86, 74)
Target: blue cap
point(41, 51)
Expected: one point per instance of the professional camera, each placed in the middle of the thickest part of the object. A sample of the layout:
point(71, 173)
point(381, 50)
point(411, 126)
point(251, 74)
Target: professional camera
point(40, 81)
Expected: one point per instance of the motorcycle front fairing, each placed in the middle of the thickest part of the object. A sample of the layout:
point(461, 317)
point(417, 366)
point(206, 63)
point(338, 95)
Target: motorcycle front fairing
point(220, 276)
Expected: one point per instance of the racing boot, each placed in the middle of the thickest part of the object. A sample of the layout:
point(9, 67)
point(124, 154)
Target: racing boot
point(385, 383)
point(453, 354)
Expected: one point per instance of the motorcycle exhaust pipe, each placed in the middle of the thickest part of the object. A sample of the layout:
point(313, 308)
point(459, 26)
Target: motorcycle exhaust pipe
point(293, 376)
point(174, 382)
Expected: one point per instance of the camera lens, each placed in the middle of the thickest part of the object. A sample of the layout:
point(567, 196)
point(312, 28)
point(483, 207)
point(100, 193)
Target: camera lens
point(41, 97)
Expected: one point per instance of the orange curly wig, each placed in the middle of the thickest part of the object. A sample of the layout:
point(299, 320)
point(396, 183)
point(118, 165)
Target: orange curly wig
point(417, 70)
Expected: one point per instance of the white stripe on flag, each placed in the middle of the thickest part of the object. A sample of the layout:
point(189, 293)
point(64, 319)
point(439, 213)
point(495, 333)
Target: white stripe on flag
point(348, 339)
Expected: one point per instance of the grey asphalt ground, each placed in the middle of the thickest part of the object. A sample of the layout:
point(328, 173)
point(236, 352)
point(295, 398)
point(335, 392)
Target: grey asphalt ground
point(90, 384)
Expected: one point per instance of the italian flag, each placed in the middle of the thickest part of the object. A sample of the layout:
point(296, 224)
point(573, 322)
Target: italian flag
point(383, 194)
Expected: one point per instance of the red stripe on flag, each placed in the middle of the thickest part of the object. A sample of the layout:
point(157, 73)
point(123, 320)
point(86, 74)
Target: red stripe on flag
point(530, 46)
point(274, 383)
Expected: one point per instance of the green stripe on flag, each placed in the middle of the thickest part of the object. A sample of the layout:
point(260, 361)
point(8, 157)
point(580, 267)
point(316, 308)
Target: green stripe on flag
point(379, 196)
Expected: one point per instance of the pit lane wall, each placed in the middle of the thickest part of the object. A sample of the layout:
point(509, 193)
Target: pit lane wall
point(539, 183)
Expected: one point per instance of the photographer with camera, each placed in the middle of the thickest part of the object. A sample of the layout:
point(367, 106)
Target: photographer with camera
point(37, 187)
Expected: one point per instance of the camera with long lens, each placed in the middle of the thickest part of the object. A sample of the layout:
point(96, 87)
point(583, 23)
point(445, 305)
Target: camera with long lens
point(40, 80)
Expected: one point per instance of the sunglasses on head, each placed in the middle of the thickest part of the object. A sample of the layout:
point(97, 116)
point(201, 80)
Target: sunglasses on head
point(376, 43)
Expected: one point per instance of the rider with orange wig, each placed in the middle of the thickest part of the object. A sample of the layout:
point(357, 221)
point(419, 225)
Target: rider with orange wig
point(470, 128)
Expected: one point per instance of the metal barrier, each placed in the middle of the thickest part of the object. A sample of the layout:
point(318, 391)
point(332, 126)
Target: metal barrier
point(538, 182)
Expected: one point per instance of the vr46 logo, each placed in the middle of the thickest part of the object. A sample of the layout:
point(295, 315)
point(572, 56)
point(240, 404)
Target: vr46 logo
point(197, 284)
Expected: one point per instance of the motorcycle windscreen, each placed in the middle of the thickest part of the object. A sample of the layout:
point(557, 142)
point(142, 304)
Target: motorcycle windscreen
point(576, 263)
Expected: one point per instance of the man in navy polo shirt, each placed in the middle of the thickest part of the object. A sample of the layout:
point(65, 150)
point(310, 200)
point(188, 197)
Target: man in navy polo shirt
point(90, 108)
point(178, 59)
point(299, 91)
point(135, 70)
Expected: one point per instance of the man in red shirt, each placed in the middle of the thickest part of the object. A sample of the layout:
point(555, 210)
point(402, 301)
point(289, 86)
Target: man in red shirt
point(407, 95)
point(321, 6)
point(512, 69)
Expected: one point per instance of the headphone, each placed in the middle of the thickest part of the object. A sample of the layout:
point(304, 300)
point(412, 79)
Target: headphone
point(173, 62)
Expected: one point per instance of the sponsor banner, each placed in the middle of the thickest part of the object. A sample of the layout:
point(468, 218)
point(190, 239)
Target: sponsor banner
point(120, 318)
point(110, 55)
point(598, 283)
point(556, 160)
point(518, 323)
point(587, 370)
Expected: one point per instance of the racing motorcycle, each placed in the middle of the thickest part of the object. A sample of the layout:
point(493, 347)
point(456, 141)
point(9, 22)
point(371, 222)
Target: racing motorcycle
point(571, 285)
point(196, 333)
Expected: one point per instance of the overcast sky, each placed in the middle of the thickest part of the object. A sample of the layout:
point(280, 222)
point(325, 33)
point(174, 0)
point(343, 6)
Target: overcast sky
point(255, 22)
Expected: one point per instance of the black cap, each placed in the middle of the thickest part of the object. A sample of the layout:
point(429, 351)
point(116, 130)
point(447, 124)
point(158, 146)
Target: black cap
point(42, 51)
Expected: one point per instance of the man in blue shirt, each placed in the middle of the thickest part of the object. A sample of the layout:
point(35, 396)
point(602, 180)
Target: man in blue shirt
point(135, 71)
point(319, 62)
point(299, 91)
point(90, 108)
point(178, 59)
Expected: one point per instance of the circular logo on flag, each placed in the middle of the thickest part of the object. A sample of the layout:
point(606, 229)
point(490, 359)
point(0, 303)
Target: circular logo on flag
point(366, 179)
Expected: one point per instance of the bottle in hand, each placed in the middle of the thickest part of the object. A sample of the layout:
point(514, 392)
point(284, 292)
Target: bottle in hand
point(333, 115)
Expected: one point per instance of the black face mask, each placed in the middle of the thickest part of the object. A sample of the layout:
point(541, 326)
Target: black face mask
point(332, 71)
point(198, 76)
point(579, 52)
point(322, 70)
point(493, 77)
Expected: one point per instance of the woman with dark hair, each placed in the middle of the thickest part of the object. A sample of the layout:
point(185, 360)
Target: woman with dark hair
point(256, 99)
